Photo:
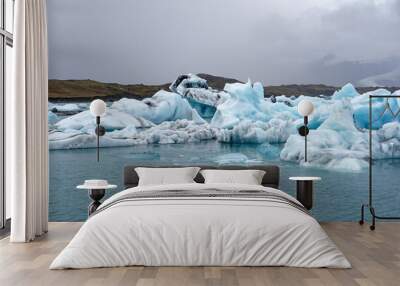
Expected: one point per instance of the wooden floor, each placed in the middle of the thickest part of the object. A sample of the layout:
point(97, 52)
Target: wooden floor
point(375, 257)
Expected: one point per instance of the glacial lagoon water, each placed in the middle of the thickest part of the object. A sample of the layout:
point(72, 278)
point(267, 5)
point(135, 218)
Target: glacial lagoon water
point(338, 196)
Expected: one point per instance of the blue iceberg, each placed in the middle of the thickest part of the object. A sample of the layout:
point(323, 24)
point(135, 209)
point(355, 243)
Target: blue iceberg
point(162, 106)
point(243, 103)
point(335, 144)
point(348, 91)
point(383, 109)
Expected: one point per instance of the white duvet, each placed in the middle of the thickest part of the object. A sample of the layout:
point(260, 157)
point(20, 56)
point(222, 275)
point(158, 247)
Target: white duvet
point(194, 231)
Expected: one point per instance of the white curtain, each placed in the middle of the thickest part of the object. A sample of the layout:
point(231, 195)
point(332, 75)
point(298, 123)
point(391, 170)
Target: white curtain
point(27, 151)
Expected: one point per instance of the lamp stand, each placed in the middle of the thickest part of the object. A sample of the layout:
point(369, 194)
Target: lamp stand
point(98, 137)
point(303, 131)
point(305, 138)
point(305, 148)
point(100, 131)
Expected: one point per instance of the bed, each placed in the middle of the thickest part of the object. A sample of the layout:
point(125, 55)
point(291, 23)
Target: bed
point(197, 224)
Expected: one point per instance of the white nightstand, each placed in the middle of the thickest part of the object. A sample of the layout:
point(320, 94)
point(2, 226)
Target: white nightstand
point(304, 190)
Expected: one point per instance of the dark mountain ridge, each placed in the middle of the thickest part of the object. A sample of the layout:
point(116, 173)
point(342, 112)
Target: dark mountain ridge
point(86, 90)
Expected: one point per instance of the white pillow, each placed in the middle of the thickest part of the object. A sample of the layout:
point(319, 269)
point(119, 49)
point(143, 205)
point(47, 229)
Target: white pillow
point(166, 176)
point(248, 177)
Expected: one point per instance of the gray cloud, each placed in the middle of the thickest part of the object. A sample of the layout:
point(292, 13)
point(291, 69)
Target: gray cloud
point(329, 70)
point(276, 42)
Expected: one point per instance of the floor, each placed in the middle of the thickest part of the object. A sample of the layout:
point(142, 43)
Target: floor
point(375, 257)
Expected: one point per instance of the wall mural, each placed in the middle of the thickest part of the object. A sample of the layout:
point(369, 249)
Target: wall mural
point(208, 119)
point(191, 123)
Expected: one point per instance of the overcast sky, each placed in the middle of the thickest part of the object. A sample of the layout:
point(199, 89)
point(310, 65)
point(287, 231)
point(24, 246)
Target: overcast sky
point(276, 42)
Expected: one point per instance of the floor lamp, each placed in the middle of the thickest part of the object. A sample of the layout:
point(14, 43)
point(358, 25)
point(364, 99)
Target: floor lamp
point(305, 108)
point(372, 119)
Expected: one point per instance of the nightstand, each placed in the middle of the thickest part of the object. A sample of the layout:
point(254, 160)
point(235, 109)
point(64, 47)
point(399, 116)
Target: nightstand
point(304, 190)
point(96, 191)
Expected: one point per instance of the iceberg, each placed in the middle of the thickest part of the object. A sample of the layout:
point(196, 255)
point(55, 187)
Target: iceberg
point(335, 144)
point(206, 96)
point(204, 110)
point(322, 109)
point(240, 114)
point(324, 153)
point(128, 132)
point(186, 81)
point(321, 112)
point(112, 120)
point(65, 108)
point(180, 131)
point(386, 141)
point(339, 144)
point(285, 99)
point(259, 90)
point(348, 91)
point(274, 131)
point(380, 113)
point(52, 117)
point(162, 106)
point(73, 139)
point(200, 96)
point(170, 132)
point(243, 103)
